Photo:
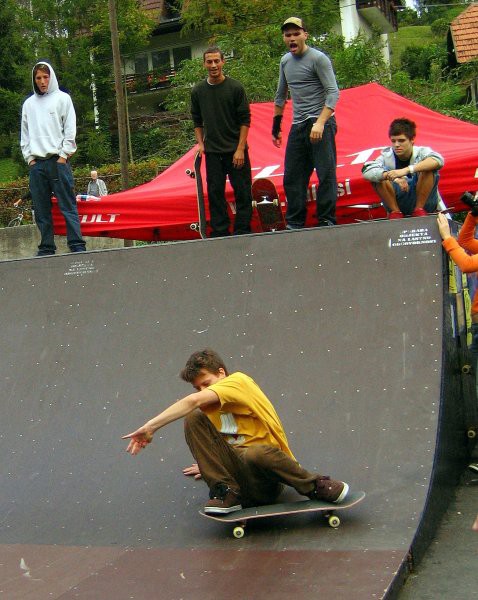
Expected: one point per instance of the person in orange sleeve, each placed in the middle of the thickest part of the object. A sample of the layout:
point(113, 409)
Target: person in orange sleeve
point(464, 252)
point(237, 439)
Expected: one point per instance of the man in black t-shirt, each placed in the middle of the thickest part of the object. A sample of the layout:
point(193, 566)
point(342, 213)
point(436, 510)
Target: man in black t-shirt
point(405, 176)
point(221, 117)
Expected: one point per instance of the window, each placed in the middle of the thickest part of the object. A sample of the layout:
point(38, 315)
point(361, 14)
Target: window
point(160, 59)
point(180, 54)
point(141, 64)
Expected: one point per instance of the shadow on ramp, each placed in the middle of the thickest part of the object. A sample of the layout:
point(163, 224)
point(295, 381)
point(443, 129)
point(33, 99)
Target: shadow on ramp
point(347, 329)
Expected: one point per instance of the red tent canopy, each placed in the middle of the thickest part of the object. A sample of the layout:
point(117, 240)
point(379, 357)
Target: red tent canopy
point(166, 207)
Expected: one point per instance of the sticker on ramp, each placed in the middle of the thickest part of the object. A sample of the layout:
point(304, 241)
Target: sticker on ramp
point(80, 268)
point(412, 237)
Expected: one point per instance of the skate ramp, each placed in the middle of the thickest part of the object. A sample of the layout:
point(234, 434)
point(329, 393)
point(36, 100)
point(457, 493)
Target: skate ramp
point(347, 329)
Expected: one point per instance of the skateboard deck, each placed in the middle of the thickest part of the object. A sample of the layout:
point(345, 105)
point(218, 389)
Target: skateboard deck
point(200, 226)
point(265, 200)
point(240, 518)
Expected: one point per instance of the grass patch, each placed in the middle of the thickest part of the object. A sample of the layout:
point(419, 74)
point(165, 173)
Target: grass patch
point(8, 169)
point(416, 35)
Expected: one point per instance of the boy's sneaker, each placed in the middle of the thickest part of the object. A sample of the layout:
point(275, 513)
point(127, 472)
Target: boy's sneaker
point(395, 214)
point(223, 500)
point(419, 212)
point(329, 490)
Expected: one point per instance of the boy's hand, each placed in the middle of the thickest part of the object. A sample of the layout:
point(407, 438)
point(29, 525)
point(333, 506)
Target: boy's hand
point(192, 471)
point(139, 439)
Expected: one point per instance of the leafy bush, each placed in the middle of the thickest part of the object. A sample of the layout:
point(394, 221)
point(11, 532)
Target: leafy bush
point(358, 62)
point(11, 104)
point(440, 27)
point(441, 94)
point(94, 148)
point(417, 61)
point(139, 173)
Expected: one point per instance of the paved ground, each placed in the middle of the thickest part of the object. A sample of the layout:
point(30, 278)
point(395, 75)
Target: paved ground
point(449, 569)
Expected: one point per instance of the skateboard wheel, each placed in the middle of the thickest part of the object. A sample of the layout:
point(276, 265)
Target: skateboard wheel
point(254, 204)
point(334, 521)
point(275, 202)
point(238, 532)
point(466, 369)
point(471, 434)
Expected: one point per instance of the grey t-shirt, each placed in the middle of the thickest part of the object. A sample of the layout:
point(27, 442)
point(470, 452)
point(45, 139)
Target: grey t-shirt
point(311, 81)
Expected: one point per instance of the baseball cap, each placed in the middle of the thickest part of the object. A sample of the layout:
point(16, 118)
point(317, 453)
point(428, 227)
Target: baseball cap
point(293, 21)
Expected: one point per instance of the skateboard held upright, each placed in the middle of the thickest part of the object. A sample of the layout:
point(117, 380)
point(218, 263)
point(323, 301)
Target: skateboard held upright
point(265, 200)
point(200, 226)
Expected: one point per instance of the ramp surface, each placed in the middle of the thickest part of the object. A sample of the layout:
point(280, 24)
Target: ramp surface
point(343, 329)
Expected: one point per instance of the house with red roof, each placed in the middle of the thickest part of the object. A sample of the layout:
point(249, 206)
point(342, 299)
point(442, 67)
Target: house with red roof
point(463, 43)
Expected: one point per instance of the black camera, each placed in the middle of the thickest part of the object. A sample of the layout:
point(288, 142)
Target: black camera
point(471, 200)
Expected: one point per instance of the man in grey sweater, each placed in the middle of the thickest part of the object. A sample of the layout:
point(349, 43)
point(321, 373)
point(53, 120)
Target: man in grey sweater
point(308, 74)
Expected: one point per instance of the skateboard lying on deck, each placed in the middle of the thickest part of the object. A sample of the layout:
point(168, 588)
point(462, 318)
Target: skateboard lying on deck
point(265, 200)
point(200, 226)
point(240, 517)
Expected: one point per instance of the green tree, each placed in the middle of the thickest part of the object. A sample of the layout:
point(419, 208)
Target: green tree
point(357, 62)
point(13, 61)
point(256, 60)
point(240, 16)
point(75, 36)
point(431, 10)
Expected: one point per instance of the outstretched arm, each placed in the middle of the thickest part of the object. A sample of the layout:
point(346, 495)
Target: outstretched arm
point(144, 435)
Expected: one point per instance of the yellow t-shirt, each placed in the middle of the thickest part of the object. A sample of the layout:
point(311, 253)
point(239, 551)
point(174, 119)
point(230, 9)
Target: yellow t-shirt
point(246, 416)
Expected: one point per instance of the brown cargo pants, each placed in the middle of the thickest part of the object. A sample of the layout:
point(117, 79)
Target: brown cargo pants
point(256, 472)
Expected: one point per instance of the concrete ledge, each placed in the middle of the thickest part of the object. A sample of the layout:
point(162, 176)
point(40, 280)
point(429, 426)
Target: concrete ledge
point(22, 242)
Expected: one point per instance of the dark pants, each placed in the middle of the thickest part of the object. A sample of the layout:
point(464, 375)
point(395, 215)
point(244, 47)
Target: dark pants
point(301, 158)
point(257, 472)
point(49, 177)
point(218, 166)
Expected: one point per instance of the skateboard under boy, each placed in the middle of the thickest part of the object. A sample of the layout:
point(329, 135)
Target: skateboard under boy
point(240, 518)
point(200, 226)
point(265, 200)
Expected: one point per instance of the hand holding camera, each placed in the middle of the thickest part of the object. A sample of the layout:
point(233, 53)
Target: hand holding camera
point(471, 200)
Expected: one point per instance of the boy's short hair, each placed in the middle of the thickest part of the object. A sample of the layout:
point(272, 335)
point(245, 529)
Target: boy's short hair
point(206, 359)
point(41, 67)
point(404, 126)
point(213, 50)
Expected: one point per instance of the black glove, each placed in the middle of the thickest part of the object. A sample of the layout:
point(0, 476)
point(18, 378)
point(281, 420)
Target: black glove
point(471, 200)
point(276, 123)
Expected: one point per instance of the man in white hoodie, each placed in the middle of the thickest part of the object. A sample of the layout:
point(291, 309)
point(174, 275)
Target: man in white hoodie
point(47, 141)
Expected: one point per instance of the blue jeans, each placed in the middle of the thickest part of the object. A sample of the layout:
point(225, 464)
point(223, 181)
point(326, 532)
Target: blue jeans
point(49, 177)
point(301, 158)
point(407, 200)
point(218, 166)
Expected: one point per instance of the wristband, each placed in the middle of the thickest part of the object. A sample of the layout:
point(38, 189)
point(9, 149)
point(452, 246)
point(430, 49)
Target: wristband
point(276, 123)
point(411, 168)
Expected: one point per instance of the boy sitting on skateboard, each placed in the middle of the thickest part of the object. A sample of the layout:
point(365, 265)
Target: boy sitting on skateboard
point(237, 440)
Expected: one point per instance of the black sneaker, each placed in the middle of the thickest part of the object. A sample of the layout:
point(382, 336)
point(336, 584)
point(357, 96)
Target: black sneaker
point(329, 490)
point(223, 500)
